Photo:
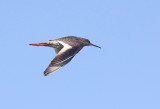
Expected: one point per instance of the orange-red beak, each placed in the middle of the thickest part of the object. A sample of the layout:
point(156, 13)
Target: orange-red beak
point(94, 45)
point(38, 44)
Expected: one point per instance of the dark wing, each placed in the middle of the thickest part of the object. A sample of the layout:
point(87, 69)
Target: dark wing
point(62, 58)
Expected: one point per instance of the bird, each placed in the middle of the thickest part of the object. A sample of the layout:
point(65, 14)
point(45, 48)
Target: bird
point(66, 48)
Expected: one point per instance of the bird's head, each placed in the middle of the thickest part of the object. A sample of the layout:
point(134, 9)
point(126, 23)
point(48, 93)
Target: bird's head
point(86, 42)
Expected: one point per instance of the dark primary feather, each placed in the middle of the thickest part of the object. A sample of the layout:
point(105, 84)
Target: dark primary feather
point(57, 67)
point(61, 59)
point(63, 56)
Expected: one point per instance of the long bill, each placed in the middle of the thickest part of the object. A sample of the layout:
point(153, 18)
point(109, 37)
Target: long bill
point(94, 45)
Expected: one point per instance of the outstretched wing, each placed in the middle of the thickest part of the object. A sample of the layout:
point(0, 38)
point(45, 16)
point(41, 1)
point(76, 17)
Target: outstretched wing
point(64, 56)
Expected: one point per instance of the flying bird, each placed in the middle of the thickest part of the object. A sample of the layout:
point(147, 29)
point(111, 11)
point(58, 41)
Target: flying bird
point(66, 48)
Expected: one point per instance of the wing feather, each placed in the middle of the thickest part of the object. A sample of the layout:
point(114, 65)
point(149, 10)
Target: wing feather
point(64, 56)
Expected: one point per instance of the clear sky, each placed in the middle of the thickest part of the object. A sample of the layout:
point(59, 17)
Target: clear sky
point(123, 74)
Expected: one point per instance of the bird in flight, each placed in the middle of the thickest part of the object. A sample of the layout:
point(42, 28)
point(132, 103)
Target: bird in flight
point(66, 48)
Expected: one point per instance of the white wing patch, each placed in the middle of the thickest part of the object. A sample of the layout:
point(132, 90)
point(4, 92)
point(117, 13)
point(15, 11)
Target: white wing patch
point(65, 47)
point(52, 68)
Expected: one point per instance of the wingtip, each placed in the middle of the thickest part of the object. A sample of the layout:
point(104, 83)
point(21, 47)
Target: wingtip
point(46, 73)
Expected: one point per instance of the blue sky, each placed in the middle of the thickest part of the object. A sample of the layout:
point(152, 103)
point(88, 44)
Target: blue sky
point(124, 74)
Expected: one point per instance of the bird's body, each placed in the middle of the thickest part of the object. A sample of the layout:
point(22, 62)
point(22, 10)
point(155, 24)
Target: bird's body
point(66, 48)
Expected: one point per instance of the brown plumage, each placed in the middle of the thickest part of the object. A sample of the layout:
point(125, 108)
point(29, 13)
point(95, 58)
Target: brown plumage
point(66, 48)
